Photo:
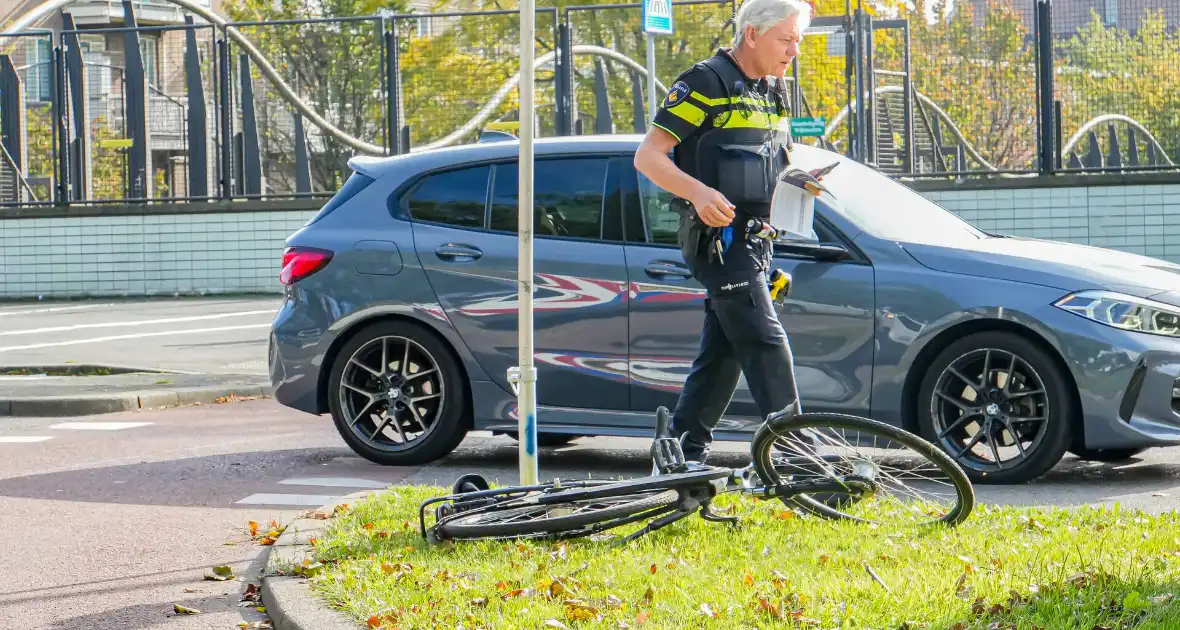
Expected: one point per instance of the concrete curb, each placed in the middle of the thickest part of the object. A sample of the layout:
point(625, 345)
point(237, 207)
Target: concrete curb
point(289, 600)
point(94, 404)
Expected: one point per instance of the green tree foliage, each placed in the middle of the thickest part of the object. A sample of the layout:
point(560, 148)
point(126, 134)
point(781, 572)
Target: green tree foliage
point(335, 66)
point(975, 63)
point(1107, 70)
point(108, 165)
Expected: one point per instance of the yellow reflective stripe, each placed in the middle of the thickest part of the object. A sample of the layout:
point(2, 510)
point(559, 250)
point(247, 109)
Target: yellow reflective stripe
point(710, 102)
point(689, 113)
point(755, 120)
point(729, 100)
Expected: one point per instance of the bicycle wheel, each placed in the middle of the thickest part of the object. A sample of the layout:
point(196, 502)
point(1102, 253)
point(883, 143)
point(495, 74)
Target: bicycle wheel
point(569, 513)
point(814, 448)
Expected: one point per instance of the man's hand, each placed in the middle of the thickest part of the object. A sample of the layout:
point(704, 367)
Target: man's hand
point(652, 160)
point(712, 207)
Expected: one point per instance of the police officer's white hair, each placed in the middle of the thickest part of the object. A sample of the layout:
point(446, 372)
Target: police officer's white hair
point(764, 14)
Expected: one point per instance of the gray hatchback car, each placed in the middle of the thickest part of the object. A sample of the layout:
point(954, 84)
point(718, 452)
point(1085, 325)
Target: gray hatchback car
point(400, 314)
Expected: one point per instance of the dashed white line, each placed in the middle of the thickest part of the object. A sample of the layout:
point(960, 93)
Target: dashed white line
point(23, 439)
point(74, 342)
point(336, 482)
point(98, 426)
point(313, 500)
point(52, 309)
point(142, 322)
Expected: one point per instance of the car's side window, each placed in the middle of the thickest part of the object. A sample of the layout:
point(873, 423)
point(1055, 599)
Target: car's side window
point(451, 197)
point(662, 222)
point(567, 197)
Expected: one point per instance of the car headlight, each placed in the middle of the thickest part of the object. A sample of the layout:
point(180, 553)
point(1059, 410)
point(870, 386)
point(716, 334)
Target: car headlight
point(1124, 311)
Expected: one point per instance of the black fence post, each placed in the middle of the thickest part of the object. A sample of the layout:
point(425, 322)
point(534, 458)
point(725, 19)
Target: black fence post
point(139, 164)
point(198, 156)
point(392, 79)
point(561, 67)
point(61, 178)
point(225, 135)
point(251, 160)
point(302, 163)
point(81, 179)
point(908, 102)
point(1046, 128)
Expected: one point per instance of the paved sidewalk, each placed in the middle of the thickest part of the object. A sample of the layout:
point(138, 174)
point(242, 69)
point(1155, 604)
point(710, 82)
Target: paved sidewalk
point(32, 395)
point(186, 350)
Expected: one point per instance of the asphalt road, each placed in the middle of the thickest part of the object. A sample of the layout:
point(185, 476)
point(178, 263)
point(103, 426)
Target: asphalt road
point(107, 525)
point(210, 335)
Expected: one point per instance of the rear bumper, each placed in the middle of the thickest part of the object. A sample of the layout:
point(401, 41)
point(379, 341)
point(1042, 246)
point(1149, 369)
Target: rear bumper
point(293, 373)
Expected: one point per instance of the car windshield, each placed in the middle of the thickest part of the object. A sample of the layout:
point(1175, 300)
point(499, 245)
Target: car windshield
point(881, 206)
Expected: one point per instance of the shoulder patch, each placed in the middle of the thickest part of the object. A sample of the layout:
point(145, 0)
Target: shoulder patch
point(677, 93)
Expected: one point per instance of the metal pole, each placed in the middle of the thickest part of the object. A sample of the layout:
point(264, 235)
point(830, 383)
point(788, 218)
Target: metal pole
point(527, 396)
point(651, 76)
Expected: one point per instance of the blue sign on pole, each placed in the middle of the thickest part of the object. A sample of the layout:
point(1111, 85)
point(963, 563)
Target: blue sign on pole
point(657, 17)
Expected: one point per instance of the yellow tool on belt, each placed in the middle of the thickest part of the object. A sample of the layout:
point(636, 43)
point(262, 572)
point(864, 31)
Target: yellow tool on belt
point(780, 285)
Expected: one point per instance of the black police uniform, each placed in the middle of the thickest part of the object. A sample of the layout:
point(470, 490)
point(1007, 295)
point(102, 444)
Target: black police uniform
point(733, 134)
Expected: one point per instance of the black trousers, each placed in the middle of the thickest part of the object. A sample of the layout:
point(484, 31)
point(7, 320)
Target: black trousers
point(742, 335)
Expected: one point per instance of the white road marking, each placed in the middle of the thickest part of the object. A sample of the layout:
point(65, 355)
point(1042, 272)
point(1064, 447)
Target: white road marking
point(73, 342)
point(23, 439)
point(314, 500)
point(335, 482)
point(52, 309)
point(98, 426)
point(142, 322)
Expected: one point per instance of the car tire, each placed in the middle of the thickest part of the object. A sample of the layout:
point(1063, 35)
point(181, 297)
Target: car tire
point(445, 430)
point(1036, 370)
point(1105, 454)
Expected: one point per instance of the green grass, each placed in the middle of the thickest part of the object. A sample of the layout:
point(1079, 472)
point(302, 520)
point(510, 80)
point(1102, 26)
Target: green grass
point(1004, 568)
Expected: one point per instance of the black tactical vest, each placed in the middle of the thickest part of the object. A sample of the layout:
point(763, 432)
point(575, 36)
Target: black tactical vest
point(741, 148)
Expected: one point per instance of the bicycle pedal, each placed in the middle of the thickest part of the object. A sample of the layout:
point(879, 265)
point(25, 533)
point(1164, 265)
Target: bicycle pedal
point(668, 455)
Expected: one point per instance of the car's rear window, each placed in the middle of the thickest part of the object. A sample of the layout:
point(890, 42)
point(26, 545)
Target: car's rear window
point(354, 185)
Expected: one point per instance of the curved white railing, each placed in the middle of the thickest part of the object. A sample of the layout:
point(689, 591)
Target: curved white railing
point(43, 10)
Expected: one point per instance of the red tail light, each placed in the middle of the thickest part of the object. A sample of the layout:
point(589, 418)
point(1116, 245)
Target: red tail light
point(301, 262)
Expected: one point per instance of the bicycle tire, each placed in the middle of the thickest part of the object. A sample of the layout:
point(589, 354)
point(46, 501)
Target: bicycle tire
point(470, 526)
point(763, 443)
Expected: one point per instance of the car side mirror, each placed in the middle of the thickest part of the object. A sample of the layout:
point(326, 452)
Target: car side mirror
point(827, 252)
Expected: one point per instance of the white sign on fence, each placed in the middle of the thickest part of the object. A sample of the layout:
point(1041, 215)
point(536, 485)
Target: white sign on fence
point(657, 16)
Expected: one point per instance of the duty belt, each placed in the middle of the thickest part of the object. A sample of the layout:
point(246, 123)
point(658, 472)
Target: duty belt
point(754, 230)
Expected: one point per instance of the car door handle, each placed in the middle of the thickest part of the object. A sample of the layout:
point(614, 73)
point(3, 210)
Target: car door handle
point(662, 269)
point(456, 251)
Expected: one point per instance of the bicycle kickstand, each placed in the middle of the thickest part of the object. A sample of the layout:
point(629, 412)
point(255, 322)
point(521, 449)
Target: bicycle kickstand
point(708, 514)
point(685, 509)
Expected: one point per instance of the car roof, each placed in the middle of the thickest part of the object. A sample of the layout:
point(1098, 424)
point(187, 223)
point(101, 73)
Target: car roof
point(409, 164)
point(378, 166)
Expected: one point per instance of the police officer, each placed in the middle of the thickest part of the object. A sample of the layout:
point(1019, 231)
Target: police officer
point(726, 121)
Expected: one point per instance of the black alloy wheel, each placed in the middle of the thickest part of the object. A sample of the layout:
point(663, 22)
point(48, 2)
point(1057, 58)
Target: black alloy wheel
point(396, 395)
point(999, 405)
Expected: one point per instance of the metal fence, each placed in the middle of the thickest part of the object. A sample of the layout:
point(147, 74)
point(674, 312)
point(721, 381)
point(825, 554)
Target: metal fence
point(275, 108)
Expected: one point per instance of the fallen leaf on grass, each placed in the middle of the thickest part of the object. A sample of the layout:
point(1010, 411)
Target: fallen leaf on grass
point(553, 623)
point(1160, 600)
point(578, 610)
point(220, 573)
point(184, 610)
point(381, 618)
